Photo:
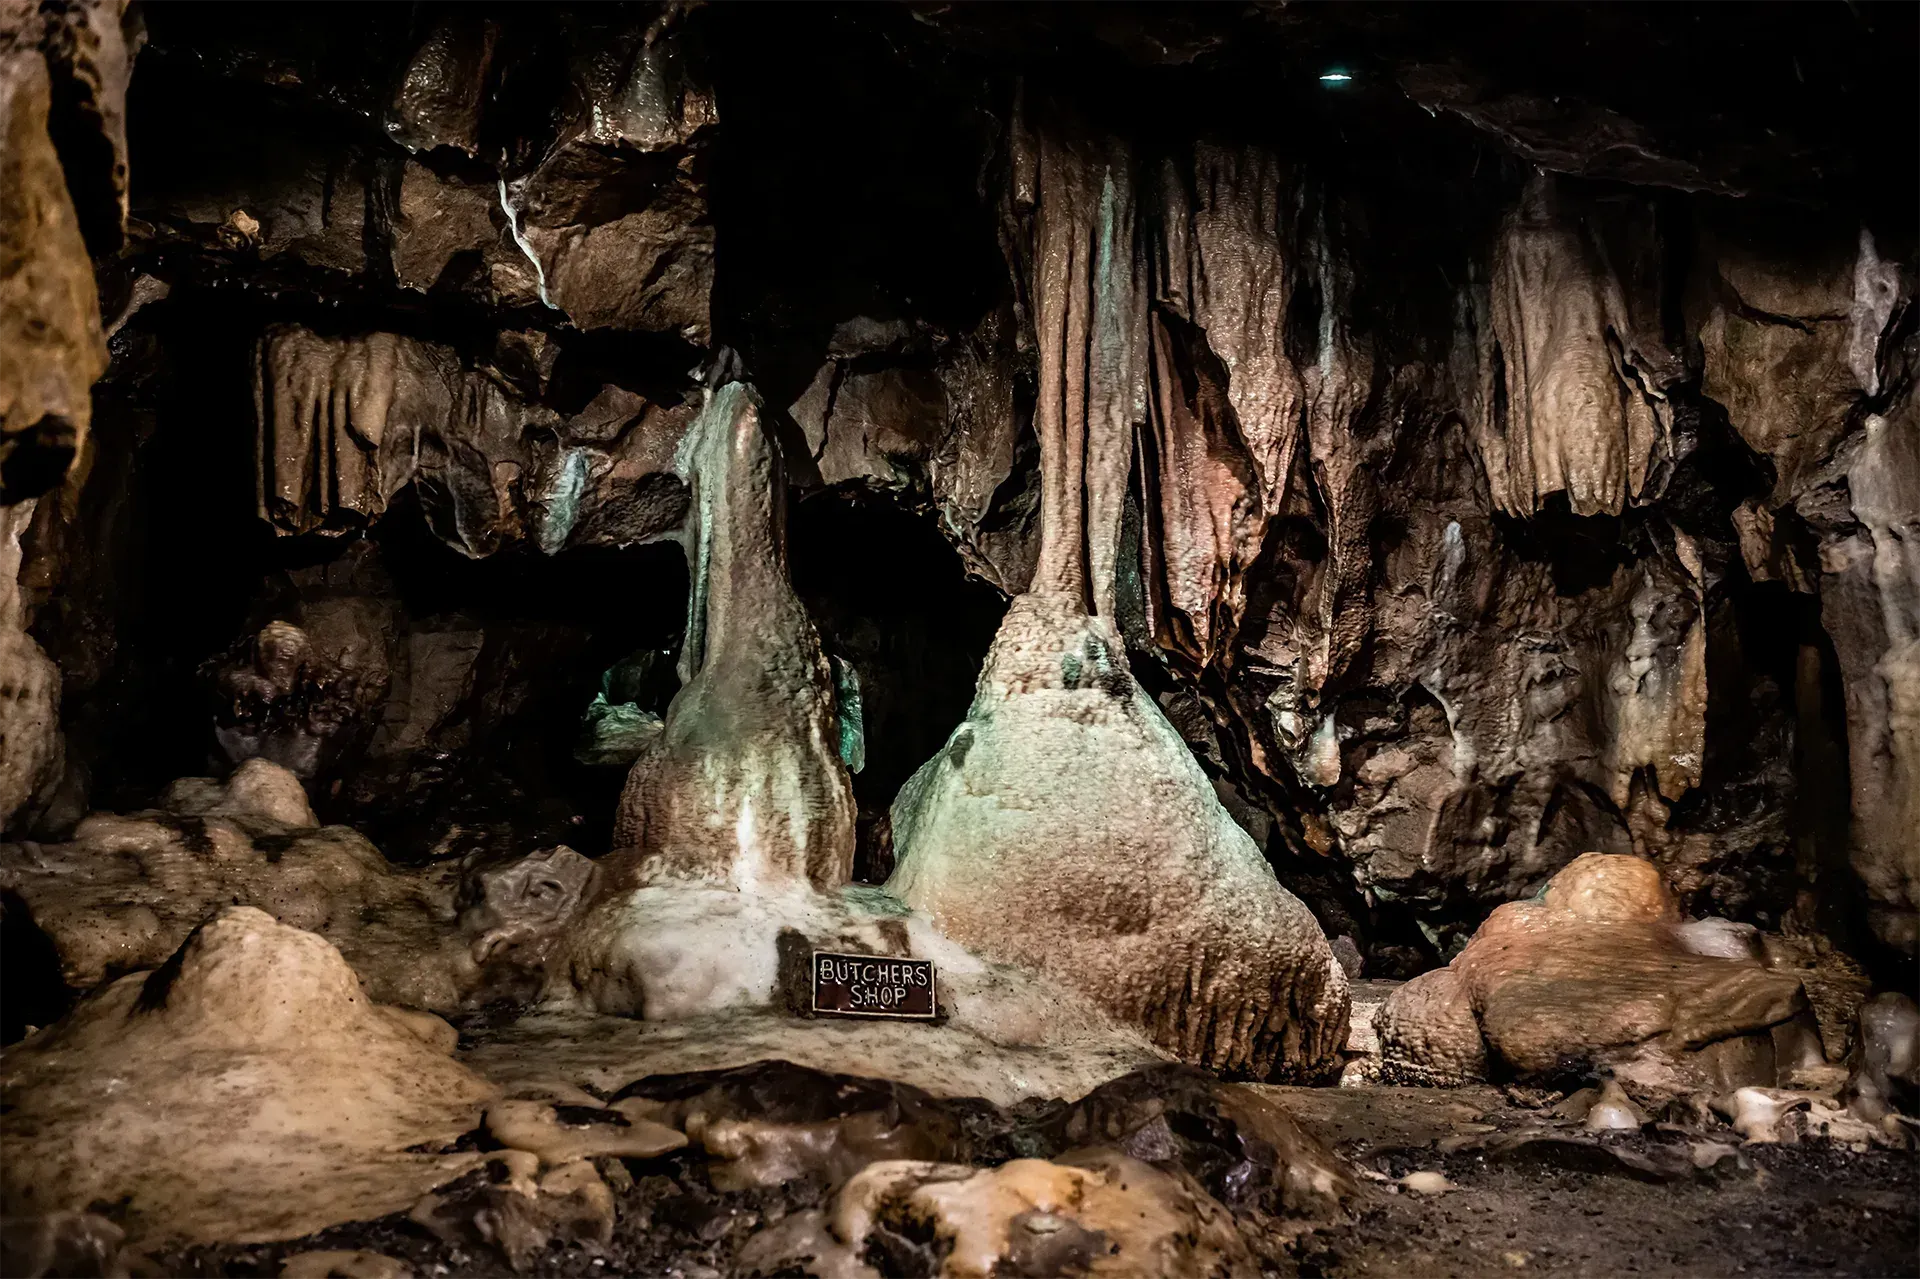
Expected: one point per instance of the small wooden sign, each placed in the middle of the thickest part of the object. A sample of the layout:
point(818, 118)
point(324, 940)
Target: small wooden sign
point(873, 986)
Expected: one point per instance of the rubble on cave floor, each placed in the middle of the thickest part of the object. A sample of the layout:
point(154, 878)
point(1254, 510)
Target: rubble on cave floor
point(244, 1110)
point(1444, 1182)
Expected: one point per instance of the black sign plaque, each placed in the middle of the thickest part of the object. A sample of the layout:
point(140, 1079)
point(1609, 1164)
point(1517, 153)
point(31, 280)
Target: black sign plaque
point(873, 986)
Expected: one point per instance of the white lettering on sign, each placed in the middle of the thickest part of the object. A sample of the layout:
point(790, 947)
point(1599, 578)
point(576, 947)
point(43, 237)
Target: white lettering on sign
point(873, 986)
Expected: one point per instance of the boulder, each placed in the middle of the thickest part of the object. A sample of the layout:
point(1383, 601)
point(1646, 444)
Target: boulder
point(1597, 973)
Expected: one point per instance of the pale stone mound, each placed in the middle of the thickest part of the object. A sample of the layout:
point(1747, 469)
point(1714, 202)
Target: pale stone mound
point(1067, 828)
point(1598, 972)
point(246, 1091)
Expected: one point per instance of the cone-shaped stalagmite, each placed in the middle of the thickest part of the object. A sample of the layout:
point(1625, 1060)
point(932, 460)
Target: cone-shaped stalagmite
point(744, 785)
point(1066, 826)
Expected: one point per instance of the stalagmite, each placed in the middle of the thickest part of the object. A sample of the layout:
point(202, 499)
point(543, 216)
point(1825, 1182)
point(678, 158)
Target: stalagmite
point(744, 785)
point(247, 1090)
point(1066, 826)
point(1874, 585)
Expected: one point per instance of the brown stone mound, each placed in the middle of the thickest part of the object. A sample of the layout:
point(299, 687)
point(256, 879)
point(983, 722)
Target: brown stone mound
point(247, 1090)
point(1067, 828)
point(1598, 972)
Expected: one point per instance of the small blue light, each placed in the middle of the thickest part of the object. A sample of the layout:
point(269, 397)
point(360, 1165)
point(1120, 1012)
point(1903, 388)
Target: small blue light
point(1335, 77)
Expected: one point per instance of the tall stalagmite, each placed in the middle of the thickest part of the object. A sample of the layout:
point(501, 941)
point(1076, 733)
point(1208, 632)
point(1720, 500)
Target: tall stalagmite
point(1066, 826)
point(744, 785)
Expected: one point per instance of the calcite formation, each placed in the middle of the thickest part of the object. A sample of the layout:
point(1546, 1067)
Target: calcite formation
point(1065, 826)
point(346, 423)
point(1442, 501)
point(245, 1090)
point(1096, 1213)
point(78, 56)
point(1162, 1169)
point(127, 891)
point(30, 744)
point(1599, 973)
point(1574, 374)
point(744, 785)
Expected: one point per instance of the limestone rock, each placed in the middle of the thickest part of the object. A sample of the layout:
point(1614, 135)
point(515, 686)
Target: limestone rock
point(1163, 1170)
point(744, 785)
point(247, 1090)
point(1776, 340)
point(1870, 600)
point(1067, 828)
point(30, 743)
point(49, 307)
point(680, 951)
point(1593, 974)
point(280, 701)
point(346, 423)
point(614, 216)
point(1097, 1212)
point(129, 890)
point(1575, 378)
point(1885, 1073)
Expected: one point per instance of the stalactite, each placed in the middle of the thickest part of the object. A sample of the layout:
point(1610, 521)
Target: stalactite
point(1573, 375)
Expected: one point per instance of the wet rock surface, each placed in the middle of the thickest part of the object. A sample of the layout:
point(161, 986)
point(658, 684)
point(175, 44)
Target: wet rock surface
point(247, 1089)
point(1345, 468)
point(1066, 829)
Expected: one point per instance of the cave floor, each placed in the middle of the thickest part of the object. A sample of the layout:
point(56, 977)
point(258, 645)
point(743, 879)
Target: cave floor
point(1528, 1194)
point(1537, 1195)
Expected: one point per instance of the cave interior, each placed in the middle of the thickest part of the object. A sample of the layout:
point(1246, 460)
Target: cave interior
point(1334, 588)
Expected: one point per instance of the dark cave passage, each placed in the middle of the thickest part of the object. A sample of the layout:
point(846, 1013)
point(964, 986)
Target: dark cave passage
point(890, 597)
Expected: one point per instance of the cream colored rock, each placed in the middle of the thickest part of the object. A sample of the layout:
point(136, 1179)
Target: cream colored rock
point(126, 891)
point(49, 306)
point(1095, 1212)
point(1580, 406)
point(1597, 972)
point(257, 788)
point(30, 746)
point(246, 1091)
point(744, 785)
point(1066, 828)
point(535, 1126)
point(720, 976)
point(1755, 1113)
point(1614, 1111)
point(341, 1264)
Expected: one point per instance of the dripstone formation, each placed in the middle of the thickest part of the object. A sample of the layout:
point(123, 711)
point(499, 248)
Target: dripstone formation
point(1270, 546)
